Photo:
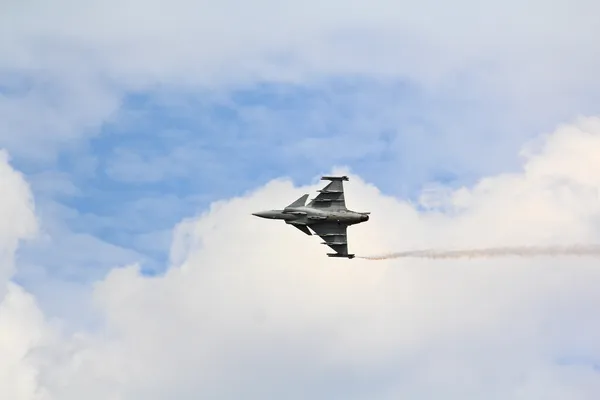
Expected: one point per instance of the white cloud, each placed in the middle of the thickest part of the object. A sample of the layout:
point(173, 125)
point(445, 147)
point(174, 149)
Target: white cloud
point(22, 328)
point(255, 309)
point(19, 318)
point(181, 40)
point(18, 219)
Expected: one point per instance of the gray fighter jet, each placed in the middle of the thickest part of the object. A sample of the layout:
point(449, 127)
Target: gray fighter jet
point(326, 215)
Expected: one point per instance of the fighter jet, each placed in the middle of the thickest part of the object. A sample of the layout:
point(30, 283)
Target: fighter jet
point(326, 215)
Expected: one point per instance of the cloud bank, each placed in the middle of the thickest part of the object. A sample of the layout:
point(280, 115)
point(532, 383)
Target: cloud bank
point(254, 309)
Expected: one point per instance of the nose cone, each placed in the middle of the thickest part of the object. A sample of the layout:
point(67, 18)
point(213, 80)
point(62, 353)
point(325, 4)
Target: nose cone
point(265, 214)
point(364, 217)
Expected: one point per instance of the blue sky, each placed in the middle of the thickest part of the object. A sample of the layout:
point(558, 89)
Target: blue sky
point(161, 159)
point(165, 155)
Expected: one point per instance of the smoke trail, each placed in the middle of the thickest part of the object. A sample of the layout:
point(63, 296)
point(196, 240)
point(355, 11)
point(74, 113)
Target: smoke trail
point(520, 251)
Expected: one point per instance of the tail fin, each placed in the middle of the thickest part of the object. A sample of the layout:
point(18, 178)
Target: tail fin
point(300, 202)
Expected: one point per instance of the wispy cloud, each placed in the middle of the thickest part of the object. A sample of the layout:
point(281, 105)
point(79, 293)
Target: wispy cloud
point(77, 70)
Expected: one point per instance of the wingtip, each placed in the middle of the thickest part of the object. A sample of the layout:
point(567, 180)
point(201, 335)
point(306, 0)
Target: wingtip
point(338, 255)
point(335, 178)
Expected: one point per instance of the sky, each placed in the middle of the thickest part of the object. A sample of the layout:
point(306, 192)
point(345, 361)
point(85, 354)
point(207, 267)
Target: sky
point(138, 137)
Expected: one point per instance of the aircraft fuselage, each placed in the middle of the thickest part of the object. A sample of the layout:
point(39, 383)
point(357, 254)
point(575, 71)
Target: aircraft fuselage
point(310, 215)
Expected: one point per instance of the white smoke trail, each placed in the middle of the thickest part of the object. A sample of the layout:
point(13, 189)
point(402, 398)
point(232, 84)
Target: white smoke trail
point(519, 251)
